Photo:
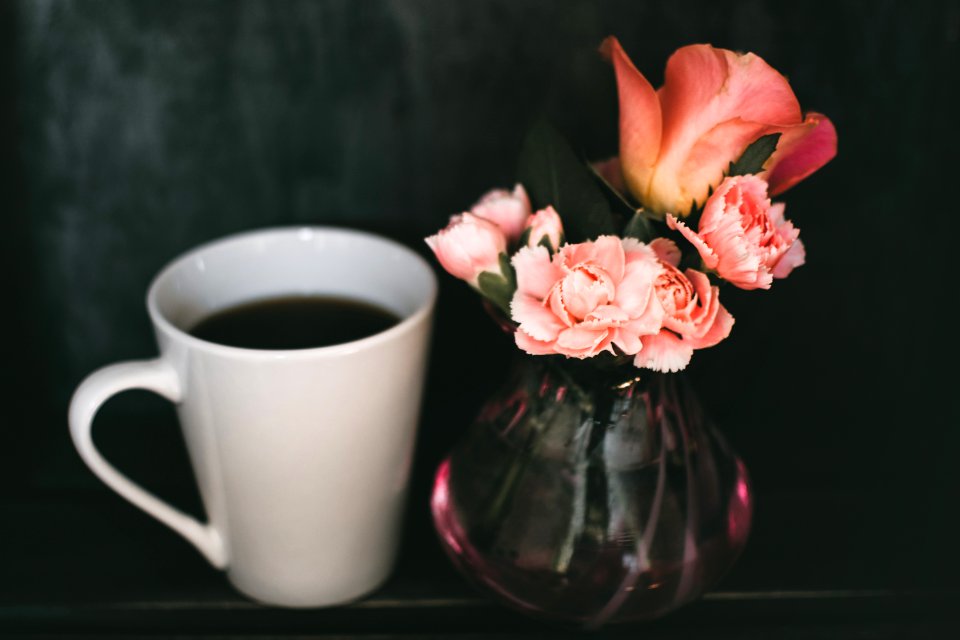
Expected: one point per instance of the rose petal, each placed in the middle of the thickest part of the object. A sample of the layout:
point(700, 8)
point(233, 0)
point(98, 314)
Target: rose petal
point(801, 152)
point(710, 156)
point(704, 86)
point(640, 118)
point(714, 103)
point(611, 171)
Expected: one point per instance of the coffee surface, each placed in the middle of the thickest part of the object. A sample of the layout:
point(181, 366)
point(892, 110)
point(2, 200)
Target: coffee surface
point(294, 322)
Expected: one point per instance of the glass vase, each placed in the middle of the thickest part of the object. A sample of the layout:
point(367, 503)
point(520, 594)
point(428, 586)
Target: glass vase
point(587, 499)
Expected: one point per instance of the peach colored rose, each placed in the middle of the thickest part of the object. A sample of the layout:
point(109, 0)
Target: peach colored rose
point(468, 246)
point(588, 298)
point(545, 224)
point(509, 210)
point(693, 317)
point(744, 238)
point(676, 142)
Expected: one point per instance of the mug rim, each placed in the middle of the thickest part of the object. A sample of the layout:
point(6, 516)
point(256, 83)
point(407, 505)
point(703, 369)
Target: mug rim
point(161, 322)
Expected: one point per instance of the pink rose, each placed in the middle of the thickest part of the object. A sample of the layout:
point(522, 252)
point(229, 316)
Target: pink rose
point(744, 238)
point(587, 298)
point(676, 142)
point(693, 317)
point(468, 246)
point(507, 210)
point(545, 224)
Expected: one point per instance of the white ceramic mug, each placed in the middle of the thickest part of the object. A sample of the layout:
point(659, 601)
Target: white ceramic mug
point(302, 457)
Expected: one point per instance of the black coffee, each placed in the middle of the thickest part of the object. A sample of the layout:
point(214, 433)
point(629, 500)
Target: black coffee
point(294, 322)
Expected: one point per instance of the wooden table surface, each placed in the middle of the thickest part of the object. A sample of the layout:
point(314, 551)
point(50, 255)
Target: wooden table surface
point(88, 565)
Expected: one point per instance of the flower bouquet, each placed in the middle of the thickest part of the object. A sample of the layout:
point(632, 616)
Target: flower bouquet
point(591, 489)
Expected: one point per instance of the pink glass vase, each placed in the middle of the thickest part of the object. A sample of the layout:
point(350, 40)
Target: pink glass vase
point(587, 499)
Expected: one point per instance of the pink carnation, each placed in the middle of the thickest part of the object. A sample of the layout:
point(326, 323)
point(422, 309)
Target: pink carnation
point(468, 246)
point(744, 238)
point(508, 210)
point(587, 298)
point(545, 224)
point(693, 317)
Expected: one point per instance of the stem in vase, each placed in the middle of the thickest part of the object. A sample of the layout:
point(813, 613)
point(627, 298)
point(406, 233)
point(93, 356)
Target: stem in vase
point(641, 560)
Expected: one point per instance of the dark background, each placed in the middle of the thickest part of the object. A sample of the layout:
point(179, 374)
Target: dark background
point(133, 131)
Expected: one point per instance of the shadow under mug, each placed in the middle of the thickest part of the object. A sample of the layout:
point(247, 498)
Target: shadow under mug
point(302, 457)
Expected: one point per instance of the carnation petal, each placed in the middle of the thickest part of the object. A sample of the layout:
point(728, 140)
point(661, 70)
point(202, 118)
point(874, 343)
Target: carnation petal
point(666, 250)
point(627, 341)
point(531, 345)
point(606, 315)
point(468, 246)
point(705, 314)
point(521, 194)
point(776, 213)
point(719, 330)
point(635, 291)
point(647, 324)
point(710, 259)
point(535, 319)
point(582, 342)
point(795, 256)
point(536, 272)
point(664, 352)
point(609, 255)
point(508, 210)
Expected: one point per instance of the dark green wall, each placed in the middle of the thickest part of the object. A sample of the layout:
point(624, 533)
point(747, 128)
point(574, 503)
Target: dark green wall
point(132, 131)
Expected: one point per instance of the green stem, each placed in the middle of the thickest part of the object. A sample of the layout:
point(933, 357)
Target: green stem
point(493, 516)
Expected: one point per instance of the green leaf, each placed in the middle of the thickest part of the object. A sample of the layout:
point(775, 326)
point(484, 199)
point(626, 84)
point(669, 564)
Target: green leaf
point(525, 237)
point(545, 242)
point(553, 175)
point(640, 227)
point(506, 269)
point(754, 156)
point(692, 219)
point(499, 287)
point(620, 200)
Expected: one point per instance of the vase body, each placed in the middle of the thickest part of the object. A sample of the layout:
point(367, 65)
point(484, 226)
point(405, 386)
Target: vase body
point(589, 502)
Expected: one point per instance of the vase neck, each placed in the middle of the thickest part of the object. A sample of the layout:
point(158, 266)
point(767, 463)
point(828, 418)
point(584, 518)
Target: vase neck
point(587, 378)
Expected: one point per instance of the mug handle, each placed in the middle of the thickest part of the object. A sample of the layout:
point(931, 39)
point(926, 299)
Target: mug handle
point(160, 377)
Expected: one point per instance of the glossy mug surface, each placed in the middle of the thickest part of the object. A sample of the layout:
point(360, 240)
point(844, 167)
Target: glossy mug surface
point(302, 456)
